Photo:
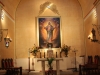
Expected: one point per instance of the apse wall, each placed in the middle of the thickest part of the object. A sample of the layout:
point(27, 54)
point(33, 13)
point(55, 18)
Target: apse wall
point(92, 20)
point(72, 29)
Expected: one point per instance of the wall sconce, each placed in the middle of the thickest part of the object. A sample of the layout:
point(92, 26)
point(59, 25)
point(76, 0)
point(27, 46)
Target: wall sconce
point(7, 41)
point(89, 37)
point(92, 36)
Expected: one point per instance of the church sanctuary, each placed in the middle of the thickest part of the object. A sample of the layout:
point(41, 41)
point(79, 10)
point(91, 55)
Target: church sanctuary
point(49, 37)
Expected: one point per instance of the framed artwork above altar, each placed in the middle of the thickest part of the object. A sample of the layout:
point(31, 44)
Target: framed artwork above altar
point(49, 31)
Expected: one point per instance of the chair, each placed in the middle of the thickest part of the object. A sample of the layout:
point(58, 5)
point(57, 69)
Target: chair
point(11, 65)
point(3, 65)
point(2, 71)
point(91, 67)
point(96, 63)
point(8, 66)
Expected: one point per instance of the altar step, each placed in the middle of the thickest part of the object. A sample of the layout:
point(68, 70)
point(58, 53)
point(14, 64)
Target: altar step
point(65, 72)
point(62, 72)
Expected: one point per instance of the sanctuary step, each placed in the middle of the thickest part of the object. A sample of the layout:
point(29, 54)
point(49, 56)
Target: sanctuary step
point(65, 72)
point(62, 72)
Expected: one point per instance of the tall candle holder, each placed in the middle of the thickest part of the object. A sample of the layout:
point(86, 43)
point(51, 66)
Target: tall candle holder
point(29, 60)
point(40, 54)
point(60, 54)
point(75, 69)
point(29, 64)
point(56, 54)
point(44, 54)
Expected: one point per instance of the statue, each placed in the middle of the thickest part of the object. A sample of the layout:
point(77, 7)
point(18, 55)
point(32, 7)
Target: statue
point(93, 34)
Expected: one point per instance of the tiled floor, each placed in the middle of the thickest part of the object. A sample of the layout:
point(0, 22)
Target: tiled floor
point(40, 73)
point(25, 72)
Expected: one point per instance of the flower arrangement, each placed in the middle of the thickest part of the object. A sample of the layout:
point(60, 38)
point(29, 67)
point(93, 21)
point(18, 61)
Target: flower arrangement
point(65, 49)
point(34, 50)
point(50, 60)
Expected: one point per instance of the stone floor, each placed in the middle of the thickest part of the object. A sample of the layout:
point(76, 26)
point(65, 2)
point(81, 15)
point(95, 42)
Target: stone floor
point(40, 73)
point(25, 72)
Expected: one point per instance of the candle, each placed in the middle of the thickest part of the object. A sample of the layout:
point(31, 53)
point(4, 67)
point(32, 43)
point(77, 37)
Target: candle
point(60, 54)
point(40, 54)
point(56, 54)
point(44, 54)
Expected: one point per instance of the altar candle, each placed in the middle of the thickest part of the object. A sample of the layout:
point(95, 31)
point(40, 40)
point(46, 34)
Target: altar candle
point(44, 54)
point(40, 54)
point(60, 54)
point(56, 54)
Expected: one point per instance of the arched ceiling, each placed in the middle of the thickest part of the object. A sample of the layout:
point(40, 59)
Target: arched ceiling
point(86, 5)
point(11, 5)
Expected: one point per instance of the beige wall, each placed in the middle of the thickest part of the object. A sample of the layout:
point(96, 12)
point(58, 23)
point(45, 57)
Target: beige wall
point(87, 6)
point(98, 12)
point(23, 31)
point(7, 23)
point(71, 21)
point(10, 7)
point(92, 48)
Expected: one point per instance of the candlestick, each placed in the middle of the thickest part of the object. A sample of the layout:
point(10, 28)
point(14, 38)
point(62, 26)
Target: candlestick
point(60, 54)
point(44, 54)
point(29, 63)
point(40, 54)
point(56, 54)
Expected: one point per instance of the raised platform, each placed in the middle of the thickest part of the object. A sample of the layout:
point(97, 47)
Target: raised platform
point(62, 72)
point(65, 72)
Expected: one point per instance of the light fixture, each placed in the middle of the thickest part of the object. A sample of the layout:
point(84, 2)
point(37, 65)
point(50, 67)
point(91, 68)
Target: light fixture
point(89, 37)
point(95, 13)
point(92, 36)
point(2, 15)
point(7, 40)
point(1, 33)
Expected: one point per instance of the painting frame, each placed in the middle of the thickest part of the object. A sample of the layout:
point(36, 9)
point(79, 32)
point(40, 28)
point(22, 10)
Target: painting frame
point(43, 35)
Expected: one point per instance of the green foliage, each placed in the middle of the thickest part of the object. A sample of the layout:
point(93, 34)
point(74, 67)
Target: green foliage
point(65, 49)
point(34, 50)
point(50, 60)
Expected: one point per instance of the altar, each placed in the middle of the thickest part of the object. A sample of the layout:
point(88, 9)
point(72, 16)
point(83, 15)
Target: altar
point(67, 62)
point(64, 63)
point(35, 64)
point(43, 60)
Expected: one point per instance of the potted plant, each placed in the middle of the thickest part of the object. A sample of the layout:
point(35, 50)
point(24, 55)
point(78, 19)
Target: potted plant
point(34, 50)
point(65, 49)
point(50, 60)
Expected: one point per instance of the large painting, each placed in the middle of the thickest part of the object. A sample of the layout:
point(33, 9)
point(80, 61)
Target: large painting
point(49, 31)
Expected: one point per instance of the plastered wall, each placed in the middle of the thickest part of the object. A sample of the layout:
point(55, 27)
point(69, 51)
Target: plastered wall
point(92, 48)
point(72, 28)
point(7, 23)
point(22, 27)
